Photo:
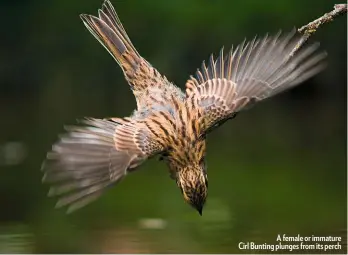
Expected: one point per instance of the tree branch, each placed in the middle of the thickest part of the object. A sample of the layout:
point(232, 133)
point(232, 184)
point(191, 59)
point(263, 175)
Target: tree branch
point(312, 27)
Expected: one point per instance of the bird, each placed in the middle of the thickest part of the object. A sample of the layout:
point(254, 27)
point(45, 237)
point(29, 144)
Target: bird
point(168, 122)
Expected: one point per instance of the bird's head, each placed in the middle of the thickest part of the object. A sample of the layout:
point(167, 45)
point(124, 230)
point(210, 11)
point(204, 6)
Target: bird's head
point(193, 183)
point(188, 168)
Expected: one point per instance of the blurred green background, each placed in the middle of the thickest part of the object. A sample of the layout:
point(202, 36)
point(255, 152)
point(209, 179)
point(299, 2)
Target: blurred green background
point(277, 168)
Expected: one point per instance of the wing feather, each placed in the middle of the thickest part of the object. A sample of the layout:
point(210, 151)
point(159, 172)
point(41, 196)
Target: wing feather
point(254, 71)
point(88, 159)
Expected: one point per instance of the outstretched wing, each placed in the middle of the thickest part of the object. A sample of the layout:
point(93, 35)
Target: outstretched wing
point(108, 30)
point(90, 158)
point(252, 72)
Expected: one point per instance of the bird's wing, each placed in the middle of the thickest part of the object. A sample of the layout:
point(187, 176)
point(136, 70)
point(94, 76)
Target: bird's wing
point(108, 30)
point(90, 158)
point(252, 72)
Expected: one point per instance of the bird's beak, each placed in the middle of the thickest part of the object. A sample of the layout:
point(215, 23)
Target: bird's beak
point(200, 211)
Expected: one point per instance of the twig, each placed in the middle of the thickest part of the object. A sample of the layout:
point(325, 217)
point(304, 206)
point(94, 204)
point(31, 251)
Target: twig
point(312, 27)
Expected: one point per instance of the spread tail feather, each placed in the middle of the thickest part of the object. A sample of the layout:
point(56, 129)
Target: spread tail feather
point(108, 30)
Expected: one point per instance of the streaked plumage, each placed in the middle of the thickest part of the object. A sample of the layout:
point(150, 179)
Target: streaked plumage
point(168, 122)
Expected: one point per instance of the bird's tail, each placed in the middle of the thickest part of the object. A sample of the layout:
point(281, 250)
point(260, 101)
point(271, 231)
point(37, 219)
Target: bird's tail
point(108, 30)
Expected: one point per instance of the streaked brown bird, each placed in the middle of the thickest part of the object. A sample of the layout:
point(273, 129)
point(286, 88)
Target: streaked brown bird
point(168, 122)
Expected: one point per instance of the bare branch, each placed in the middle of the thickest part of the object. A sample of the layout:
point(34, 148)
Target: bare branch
point(312, 27)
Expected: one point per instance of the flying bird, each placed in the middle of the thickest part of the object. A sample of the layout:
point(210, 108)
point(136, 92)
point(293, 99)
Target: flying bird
point(168, 122)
